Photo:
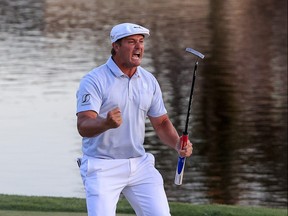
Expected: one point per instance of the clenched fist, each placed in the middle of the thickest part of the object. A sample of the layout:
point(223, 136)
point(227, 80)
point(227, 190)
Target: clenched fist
point(114, 118)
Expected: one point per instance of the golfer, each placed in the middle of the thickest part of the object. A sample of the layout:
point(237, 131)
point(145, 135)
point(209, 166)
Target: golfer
point(113, 101)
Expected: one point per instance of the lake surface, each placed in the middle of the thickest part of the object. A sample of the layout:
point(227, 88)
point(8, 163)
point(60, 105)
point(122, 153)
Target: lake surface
point(238, 122)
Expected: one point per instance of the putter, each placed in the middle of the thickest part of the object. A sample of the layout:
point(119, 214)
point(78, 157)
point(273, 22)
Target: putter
point(184, 139)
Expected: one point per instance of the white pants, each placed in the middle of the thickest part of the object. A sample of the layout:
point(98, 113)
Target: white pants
point(136, 178)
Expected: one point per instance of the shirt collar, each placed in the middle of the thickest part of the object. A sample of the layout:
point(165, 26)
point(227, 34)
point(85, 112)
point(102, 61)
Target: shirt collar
point(116, 70)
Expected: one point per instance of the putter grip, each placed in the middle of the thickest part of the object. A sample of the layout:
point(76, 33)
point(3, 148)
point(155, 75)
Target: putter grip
point(184, 140)
point(181, 162)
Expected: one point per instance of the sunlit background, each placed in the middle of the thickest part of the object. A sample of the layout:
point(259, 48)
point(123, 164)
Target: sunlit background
point(238, 121)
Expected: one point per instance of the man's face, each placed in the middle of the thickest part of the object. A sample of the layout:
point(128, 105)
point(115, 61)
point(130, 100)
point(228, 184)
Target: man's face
point(131, 50)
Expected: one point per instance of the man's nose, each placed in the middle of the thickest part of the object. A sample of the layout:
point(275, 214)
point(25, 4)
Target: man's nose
point(138, 44)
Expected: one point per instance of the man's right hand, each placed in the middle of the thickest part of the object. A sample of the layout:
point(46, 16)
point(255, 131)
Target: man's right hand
point(89, 124)
point(114, 118)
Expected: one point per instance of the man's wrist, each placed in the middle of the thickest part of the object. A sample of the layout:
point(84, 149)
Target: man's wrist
point(177, 145)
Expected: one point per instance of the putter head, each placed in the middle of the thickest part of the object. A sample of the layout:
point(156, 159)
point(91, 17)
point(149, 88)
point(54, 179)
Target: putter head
point(194, 52)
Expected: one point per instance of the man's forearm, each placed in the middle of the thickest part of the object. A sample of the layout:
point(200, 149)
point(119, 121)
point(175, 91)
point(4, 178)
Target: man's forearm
point(91, 127)
point(167, 132)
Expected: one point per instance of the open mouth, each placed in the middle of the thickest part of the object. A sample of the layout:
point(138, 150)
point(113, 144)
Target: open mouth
point(136, 56)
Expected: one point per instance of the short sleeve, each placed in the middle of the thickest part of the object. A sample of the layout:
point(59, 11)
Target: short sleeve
point(88, 95)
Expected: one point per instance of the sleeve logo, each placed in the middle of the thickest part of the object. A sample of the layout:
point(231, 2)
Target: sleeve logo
point(86, 98)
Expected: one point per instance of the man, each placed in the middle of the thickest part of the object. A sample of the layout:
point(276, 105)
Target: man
point(113, 102)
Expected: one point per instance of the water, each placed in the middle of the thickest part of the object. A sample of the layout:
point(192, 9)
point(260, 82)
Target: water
point(238, 121)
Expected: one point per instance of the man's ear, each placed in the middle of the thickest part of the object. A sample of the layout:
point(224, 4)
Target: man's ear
point(115, 46)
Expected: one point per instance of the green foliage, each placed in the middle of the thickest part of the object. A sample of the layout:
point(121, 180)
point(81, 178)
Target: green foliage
point(58, 204)
point(37, 213)
point(34, 203)
point(185, 209)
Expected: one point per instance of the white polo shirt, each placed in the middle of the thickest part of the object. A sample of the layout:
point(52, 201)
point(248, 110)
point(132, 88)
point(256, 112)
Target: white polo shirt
point(107, 87)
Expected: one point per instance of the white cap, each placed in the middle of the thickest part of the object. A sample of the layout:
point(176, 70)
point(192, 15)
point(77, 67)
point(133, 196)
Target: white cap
point(126, 29)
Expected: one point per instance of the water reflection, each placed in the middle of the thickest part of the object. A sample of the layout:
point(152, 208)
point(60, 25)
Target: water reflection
point(239, 114)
